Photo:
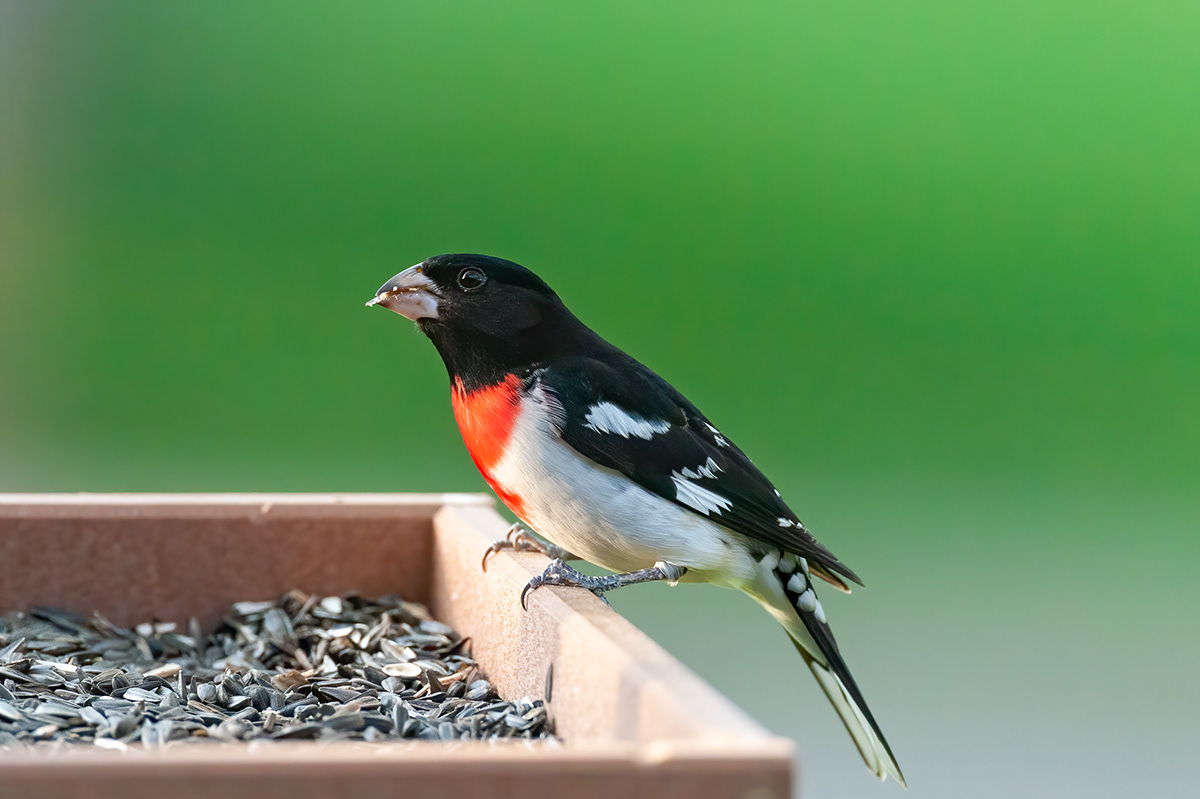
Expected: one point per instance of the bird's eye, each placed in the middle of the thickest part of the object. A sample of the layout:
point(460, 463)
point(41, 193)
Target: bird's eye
point(471, 279)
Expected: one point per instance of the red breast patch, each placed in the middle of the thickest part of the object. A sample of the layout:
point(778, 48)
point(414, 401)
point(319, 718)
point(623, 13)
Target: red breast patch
point(486, 417)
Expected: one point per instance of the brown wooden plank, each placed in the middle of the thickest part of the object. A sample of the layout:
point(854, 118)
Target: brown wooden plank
point(462, 771)
point(137, 556)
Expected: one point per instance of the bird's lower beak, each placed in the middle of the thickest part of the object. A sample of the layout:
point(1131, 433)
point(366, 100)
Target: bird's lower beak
point(409, 294)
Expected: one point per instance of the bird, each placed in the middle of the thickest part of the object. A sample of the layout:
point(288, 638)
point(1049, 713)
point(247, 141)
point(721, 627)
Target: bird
point(608, 462)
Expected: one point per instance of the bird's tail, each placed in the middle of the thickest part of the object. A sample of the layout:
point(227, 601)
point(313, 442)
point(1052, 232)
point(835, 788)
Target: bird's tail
point(814, 640)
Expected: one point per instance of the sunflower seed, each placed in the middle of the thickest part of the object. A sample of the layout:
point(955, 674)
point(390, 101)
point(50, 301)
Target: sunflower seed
point(287, 680)
point(14, 675)
point(92, 716)
point(9, 712)
point(142, 695)
point(405, 670)
point(165, 670)
point(10, 652)
point(252, 609)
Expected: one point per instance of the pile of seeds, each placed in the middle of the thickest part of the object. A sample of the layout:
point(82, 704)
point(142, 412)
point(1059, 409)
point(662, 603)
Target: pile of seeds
point(303, 667)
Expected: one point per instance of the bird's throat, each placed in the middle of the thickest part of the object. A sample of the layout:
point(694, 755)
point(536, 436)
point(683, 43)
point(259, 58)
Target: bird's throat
point(486, 417)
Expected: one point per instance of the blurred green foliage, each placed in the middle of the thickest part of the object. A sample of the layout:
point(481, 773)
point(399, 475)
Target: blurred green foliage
point(935, 266)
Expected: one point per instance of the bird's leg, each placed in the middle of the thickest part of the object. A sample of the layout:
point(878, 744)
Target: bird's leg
point(559, 573)
point(518, 539)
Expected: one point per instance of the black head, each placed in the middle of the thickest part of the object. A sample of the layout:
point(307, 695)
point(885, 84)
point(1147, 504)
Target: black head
point(484, 314)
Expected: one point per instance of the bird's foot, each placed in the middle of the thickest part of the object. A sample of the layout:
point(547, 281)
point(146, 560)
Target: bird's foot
point(559, 573)
point(518, 539)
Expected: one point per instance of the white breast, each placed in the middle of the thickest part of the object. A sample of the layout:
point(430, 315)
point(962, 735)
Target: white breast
point(603, 516)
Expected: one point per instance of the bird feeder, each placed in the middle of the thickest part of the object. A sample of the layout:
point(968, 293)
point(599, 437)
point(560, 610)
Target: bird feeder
point(631, 721)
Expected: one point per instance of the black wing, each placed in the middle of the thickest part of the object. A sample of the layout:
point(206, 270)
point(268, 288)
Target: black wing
point(623, 416)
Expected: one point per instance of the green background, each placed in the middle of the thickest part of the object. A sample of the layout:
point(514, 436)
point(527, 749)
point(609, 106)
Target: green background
point(934, 266)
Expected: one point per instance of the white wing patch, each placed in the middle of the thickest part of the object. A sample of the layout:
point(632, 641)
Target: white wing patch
point(605, 417)
point(698, 497)
point(720, 439)
point(709, 469)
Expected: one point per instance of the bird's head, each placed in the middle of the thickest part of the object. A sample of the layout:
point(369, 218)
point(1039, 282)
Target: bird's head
point(494, 295)
point(477, 308)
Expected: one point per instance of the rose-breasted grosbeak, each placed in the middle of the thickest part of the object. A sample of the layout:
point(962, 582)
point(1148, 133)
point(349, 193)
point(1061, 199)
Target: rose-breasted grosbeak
point(605, 459)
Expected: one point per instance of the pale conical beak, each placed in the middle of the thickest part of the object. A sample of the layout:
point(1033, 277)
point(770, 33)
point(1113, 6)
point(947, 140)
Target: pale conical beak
point(409, 294)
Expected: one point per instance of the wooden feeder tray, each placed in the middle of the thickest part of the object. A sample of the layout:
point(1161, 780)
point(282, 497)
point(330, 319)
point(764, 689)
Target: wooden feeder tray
point(633, 721)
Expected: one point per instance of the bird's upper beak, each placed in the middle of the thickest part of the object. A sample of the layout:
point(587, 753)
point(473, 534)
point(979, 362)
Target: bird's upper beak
point(409, 294)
